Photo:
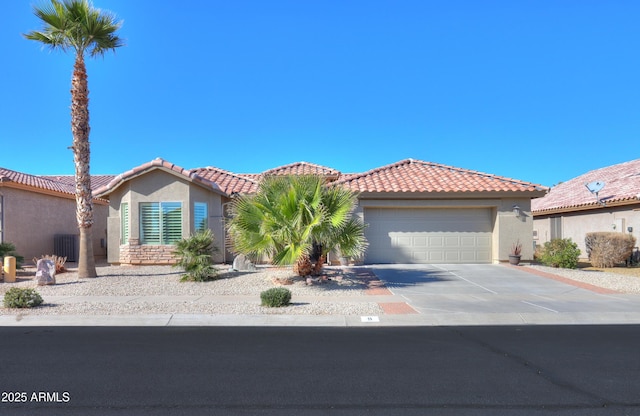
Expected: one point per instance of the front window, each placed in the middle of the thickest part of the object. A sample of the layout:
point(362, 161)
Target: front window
point(200, 216)
point(160, 222)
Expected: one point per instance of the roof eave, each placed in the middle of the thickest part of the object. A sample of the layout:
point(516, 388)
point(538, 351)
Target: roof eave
point(119, 180)
point(458, 194)
point(585, 207)
point(49, 192)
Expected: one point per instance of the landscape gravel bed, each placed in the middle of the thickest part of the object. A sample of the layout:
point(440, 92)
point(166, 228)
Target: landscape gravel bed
point(619, 282)
point(140, 281)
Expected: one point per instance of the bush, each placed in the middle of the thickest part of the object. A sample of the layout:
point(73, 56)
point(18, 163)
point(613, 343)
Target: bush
point(17, 297)
point(275, 297)
point(606, 249)
point(195, 257)
point(8, 249)
point(559, 252)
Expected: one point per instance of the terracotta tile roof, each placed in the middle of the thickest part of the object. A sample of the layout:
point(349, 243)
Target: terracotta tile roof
point(622, 185)
point(251, 176)
point(411, 175)
point(229, 182)
point(64, 184)
point(157, 163)
point(404, 176)
point(302, 168)
point(96, 180)
point(38, 182)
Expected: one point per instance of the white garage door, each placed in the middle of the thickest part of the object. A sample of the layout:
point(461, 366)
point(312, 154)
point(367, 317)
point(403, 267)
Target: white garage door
point(428, 235)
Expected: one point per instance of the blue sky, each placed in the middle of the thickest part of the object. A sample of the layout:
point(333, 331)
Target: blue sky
point(540, 90)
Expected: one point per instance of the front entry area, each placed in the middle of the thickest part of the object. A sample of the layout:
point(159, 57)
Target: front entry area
point(428, 235)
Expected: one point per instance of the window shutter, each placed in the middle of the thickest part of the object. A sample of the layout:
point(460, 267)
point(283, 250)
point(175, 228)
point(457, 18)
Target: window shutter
point(124, 223)
point(171, 222)
point(200, 216)
point(150, 223)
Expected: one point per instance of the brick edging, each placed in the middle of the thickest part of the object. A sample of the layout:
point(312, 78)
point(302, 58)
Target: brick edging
point(375, 287)
point(576, 283)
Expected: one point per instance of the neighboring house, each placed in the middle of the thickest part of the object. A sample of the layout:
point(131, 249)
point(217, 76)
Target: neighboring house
point(417, 212)
point(38, 215)
point(570, 210)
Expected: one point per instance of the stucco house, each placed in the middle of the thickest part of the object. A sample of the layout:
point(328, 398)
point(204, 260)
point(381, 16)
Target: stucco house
point(571, 210)
point(416, 211)
point(38, 215)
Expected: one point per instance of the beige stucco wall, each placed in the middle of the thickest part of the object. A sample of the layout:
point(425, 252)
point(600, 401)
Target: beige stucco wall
point(161, 186)
point(507, 227)
point(32, 219)
point(576, 225)
point(510, 228)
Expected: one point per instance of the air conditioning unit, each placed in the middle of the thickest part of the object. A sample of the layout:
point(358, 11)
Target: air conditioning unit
point(66, 245)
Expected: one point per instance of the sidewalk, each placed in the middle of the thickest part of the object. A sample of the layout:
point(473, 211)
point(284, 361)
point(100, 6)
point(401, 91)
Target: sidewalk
point(398, 310)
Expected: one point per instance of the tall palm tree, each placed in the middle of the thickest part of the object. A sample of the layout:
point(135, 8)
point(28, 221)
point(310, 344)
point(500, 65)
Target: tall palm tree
point(296, 220)
point(75, 25)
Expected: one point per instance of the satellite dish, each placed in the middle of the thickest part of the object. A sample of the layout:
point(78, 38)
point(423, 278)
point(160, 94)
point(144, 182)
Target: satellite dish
point(595, 187)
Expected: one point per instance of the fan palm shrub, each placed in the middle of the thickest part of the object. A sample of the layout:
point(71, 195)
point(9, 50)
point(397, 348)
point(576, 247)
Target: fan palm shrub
point(194, 255)
point(296, 220)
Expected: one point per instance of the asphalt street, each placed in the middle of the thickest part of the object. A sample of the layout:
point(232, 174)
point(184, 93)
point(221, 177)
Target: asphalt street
point(501, 370)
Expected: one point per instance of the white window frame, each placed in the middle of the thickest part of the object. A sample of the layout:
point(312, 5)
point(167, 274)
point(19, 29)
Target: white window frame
point(160, 222)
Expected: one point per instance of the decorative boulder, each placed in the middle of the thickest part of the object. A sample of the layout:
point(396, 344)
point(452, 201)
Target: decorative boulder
point(45, 272)
point(242, 264)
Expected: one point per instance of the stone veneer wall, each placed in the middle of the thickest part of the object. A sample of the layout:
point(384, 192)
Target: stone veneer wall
point(135, 253)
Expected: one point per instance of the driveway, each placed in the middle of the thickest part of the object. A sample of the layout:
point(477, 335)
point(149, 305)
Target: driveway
point(496, 294)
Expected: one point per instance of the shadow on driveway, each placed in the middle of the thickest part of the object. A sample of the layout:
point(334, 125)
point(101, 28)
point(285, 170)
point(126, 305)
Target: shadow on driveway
point(408, 278)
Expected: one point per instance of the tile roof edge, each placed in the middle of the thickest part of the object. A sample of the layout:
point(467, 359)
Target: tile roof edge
point(157, 163)
point(410, 161)
point(61, 185)
point(226, 172)
point(302, 162)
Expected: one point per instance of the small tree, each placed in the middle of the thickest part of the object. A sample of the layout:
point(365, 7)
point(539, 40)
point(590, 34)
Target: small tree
point(195, 256)
point(77, 26)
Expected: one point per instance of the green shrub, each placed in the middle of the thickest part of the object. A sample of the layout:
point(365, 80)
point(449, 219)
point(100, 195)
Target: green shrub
point(8, 249)
point(559, 252)
point(18, 297)
point(195, 257)
point(606, 249)
point(275, 297)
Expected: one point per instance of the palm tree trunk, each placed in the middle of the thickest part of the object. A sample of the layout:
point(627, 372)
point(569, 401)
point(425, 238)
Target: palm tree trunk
point(317, 268)
point(84, 198)
point(303, 266)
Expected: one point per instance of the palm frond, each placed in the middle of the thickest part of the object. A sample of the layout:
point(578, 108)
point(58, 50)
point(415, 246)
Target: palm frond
point(76, 24)
point(290, 215)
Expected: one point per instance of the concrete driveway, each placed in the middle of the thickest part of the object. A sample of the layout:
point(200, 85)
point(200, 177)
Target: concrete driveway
point(487, 294)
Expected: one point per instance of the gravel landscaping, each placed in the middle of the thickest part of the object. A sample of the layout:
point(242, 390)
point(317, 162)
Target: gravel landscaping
point(615, 281)
point(236, 292)
point(158, 290)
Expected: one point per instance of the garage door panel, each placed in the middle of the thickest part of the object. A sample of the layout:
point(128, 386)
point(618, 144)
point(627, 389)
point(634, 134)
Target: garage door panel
point(428, 235)
point(467, 241)
point(420, 242)
point(436, 242)
point(435, 257)
point(452, 241)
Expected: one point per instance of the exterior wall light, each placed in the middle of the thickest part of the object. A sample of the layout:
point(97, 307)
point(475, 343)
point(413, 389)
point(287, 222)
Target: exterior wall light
point(516, 210)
